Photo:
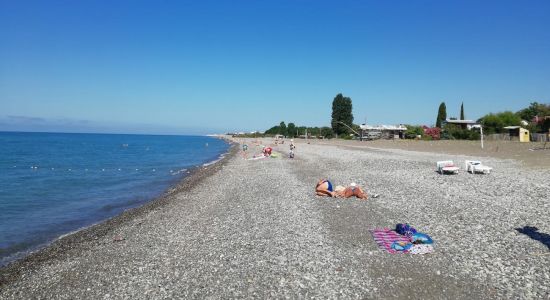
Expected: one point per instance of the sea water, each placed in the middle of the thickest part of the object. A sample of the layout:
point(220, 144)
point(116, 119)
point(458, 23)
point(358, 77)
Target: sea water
point(55, 183)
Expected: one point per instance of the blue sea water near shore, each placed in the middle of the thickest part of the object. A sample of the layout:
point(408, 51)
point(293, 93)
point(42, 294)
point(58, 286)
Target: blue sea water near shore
point(55, 183)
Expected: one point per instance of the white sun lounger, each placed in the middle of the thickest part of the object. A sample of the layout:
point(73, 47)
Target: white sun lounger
point(447, 166)
point(475, 166)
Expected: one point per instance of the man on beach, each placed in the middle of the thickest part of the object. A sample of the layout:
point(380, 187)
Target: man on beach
point(245, 148)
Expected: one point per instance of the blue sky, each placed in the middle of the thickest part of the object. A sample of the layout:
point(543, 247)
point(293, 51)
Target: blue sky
point(214, 66)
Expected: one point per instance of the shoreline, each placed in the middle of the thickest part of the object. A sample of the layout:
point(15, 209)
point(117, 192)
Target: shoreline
point(59, 247)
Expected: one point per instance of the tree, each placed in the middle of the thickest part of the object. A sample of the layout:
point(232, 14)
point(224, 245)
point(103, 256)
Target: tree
point(341, 113)
point(494, 123)
point(273, 130)
point(413, 131)
point(327, 132)
point(534, 109)
point(441, 114)
point(291, 130)
point(462, 111)
point(282, 129)
point(456, 132)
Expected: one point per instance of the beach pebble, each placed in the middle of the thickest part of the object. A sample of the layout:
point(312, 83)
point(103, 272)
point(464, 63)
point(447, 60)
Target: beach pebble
point(118, 238)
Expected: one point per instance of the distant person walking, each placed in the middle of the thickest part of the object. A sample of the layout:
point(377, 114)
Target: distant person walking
point(292, 147)
point(245, 148)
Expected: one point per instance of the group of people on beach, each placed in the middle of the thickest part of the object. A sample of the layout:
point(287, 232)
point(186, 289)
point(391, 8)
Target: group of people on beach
point(267, 151)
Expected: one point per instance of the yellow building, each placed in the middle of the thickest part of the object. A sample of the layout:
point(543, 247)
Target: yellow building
point(518, 133)
point(524, 135)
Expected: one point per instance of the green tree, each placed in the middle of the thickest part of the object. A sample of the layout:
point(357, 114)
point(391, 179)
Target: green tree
point(462, 111)
point(291, 130)
point(327, 132)
point(413, 131)
point(341, 113)
point(495, 123)
point(272, 131)
point(534, 109)
point(441, 114)
point(282, 129)
point(456, 132)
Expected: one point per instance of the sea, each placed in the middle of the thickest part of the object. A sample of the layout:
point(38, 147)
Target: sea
point(52, 184)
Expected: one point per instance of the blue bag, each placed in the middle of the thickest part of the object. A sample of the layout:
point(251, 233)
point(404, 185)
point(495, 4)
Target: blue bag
point(405, 229)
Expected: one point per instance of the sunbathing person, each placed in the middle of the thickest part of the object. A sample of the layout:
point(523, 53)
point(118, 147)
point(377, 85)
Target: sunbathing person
point(324, 188)
point(351, 190)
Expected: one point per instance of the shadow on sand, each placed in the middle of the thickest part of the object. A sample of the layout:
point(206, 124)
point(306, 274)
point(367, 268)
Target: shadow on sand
point(533, 233)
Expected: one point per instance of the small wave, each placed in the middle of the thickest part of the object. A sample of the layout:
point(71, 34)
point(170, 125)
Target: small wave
point(222, 156)
point(173, 173)
point(211, 163)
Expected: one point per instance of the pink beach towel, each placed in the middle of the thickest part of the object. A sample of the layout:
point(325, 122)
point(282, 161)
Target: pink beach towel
point(385, 237)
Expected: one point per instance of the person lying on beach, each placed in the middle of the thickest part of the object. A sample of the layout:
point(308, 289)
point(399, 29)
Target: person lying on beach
point(324, 188)
point(350, 191)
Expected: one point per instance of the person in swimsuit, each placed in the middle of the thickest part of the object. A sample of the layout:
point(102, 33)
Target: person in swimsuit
point(324, 188)
point(352, 190)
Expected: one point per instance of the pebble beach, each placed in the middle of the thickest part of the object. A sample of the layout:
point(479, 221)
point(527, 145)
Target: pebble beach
point(255, 229)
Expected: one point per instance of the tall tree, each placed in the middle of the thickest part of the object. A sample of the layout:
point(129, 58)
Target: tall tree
point(441, 114)
point(341, 113)
point(462, 111)
point(282, 129)
point(291, 130)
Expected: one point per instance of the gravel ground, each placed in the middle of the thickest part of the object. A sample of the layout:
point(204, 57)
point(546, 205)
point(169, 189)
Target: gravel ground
point(255, 229)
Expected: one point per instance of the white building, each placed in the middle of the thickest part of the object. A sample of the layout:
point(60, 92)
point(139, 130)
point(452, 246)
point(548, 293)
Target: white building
point(466, 124)
point(383, 131)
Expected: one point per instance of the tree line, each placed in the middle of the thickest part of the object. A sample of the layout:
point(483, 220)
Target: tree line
point(535, 118)
point(292, 131)
point(341, 122)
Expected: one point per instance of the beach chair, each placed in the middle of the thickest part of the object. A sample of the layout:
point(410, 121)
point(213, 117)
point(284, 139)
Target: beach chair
point(447, 166)
point(475, 166)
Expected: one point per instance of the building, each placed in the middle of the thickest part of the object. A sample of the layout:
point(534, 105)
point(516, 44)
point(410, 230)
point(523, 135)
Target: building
point(383, 131)
point(465, 124)
point(516, 133)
